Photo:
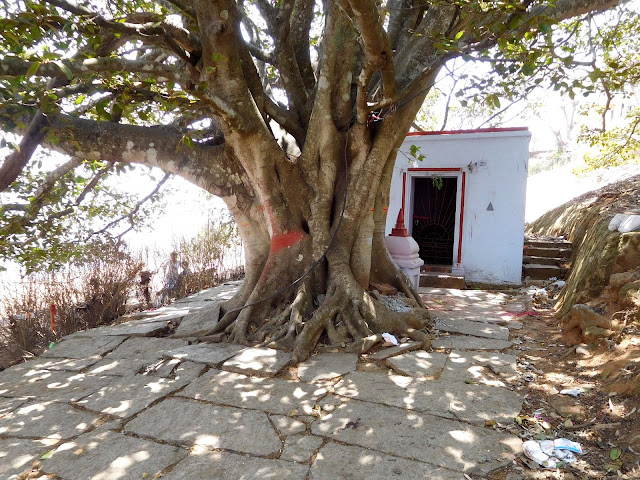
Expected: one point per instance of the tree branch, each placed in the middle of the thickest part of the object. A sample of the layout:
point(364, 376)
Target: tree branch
point(15, 162)
point(15, 67)
point(141, 25)
point(135, 209)
point(208, 166)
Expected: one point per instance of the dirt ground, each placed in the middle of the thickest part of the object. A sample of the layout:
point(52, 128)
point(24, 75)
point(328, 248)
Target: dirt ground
point(605, 416)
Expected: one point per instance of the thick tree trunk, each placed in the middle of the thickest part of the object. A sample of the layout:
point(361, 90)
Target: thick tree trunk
point(313, 251)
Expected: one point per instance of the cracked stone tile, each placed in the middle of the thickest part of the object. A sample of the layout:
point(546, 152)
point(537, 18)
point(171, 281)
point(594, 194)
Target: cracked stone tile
point(135, 355)
point(17, 456)
point(212, 354)
point(468, 402)
point(51, 420)
point(335, 461)
point(476, 329)
point(326, 366)
point(464, 342)
point(287, 425)
point(417, 364)
point(397, 350)
point(300, 448)
point(107, 455)
point(427, 438)
point(199, 322)
point(206, 465)
point(261, 362)
point(489, 368)
point(52, 386)
point(187, 422)
point(78, 347)
point(272, 395)
point(127, 396)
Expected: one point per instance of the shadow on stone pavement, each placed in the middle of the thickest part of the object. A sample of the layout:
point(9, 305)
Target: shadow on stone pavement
point(130, 402)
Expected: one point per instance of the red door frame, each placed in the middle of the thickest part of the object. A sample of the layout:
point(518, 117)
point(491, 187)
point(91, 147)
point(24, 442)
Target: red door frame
point(464, 180)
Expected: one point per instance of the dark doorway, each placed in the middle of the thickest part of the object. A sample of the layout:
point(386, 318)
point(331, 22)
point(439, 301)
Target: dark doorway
point(434, 218)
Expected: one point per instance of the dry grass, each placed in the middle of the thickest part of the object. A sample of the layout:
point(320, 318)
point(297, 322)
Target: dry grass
point(84, 297)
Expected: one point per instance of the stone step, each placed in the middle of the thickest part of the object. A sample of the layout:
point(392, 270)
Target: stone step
point(548, 243)
point(441, 280)
point(547, 252)
point(529, 260)
point(543, 272)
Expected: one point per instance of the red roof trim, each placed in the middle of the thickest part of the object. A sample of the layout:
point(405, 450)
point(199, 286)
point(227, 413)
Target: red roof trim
point(476, 130)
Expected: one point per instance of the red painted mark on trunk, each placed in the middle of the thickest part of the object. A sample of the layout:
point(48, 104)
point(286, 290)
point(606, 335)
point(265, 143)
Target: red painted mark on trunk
point(284, 240)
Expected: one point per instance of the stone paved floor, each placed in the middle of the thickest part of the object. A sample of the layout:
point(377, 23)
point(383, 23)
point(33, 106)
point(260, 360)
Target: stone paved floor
point(136, 401)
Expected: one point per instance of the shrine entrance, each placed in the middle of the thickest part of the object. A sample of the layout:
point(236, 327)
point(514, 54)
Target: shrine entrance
point(434, 218)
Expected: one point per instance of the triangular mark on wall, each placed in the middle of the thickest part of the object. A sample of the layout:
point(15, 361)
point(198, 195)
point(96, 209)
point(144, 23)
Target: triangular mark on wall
point(490, 207)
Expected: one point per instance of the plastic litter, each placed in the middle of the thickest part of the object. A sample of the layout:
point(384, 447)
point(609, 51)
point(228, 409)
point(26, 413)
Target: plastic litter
point(574, 392)
point(564, 444)
point(550, 453)
point(390, 338)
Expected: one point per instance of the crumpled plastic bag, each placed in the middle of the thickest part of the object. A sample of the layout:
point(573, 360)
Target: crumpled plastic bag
point(390, 338)
point(550, 453)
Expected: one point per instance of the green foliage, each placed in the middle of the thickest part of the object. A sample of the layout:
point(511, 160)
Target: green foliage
point(43, 230)
point(414, 151)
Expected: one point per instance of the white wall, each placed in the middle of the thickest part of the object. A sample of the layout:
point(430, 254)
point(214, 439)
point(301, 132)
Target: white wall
point(495, 166)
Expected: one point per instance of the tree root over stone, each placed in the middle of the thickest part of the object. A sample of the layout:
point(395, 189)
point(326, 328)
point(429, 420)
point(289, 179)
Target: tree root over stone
point(347, 317)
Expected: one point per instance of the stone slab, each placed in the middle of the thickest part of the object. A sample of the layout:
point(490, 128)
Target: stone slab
point(64, 364)
point(142, 328)
point(262, 362)
point(300, 448)
point(79, 347)
point(271, 395)
point(475, 296)
point(200, 322)
point(286, 425)
point(135, 355)
point(477, 329)
point(53, 386)
point(212, 354)
point(176, 370)
point(110, 456)
point(204, 465)
point(10, 404)
point(344, 462)
point(187, 422)
point(220, 293)
point(463, 342)
point(17, 456)
point(418, 364)
point(397, 350)
point(327, 366)
point(468, 402)
point(489, 368)
point(492, 316)
point(51, 420)
point(129, 395)
point(422, 437)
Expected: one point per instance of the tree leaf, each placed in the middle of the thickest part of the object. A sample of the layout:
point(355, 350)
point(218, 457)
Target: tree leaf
point(31, 71)
point(615, 454)
point(48, 454)
point(64, 69)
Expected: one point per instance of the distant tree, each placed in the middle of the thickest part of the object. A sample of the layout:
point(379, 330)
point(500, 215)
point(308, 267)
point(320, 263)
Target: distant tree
point(292, 111)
